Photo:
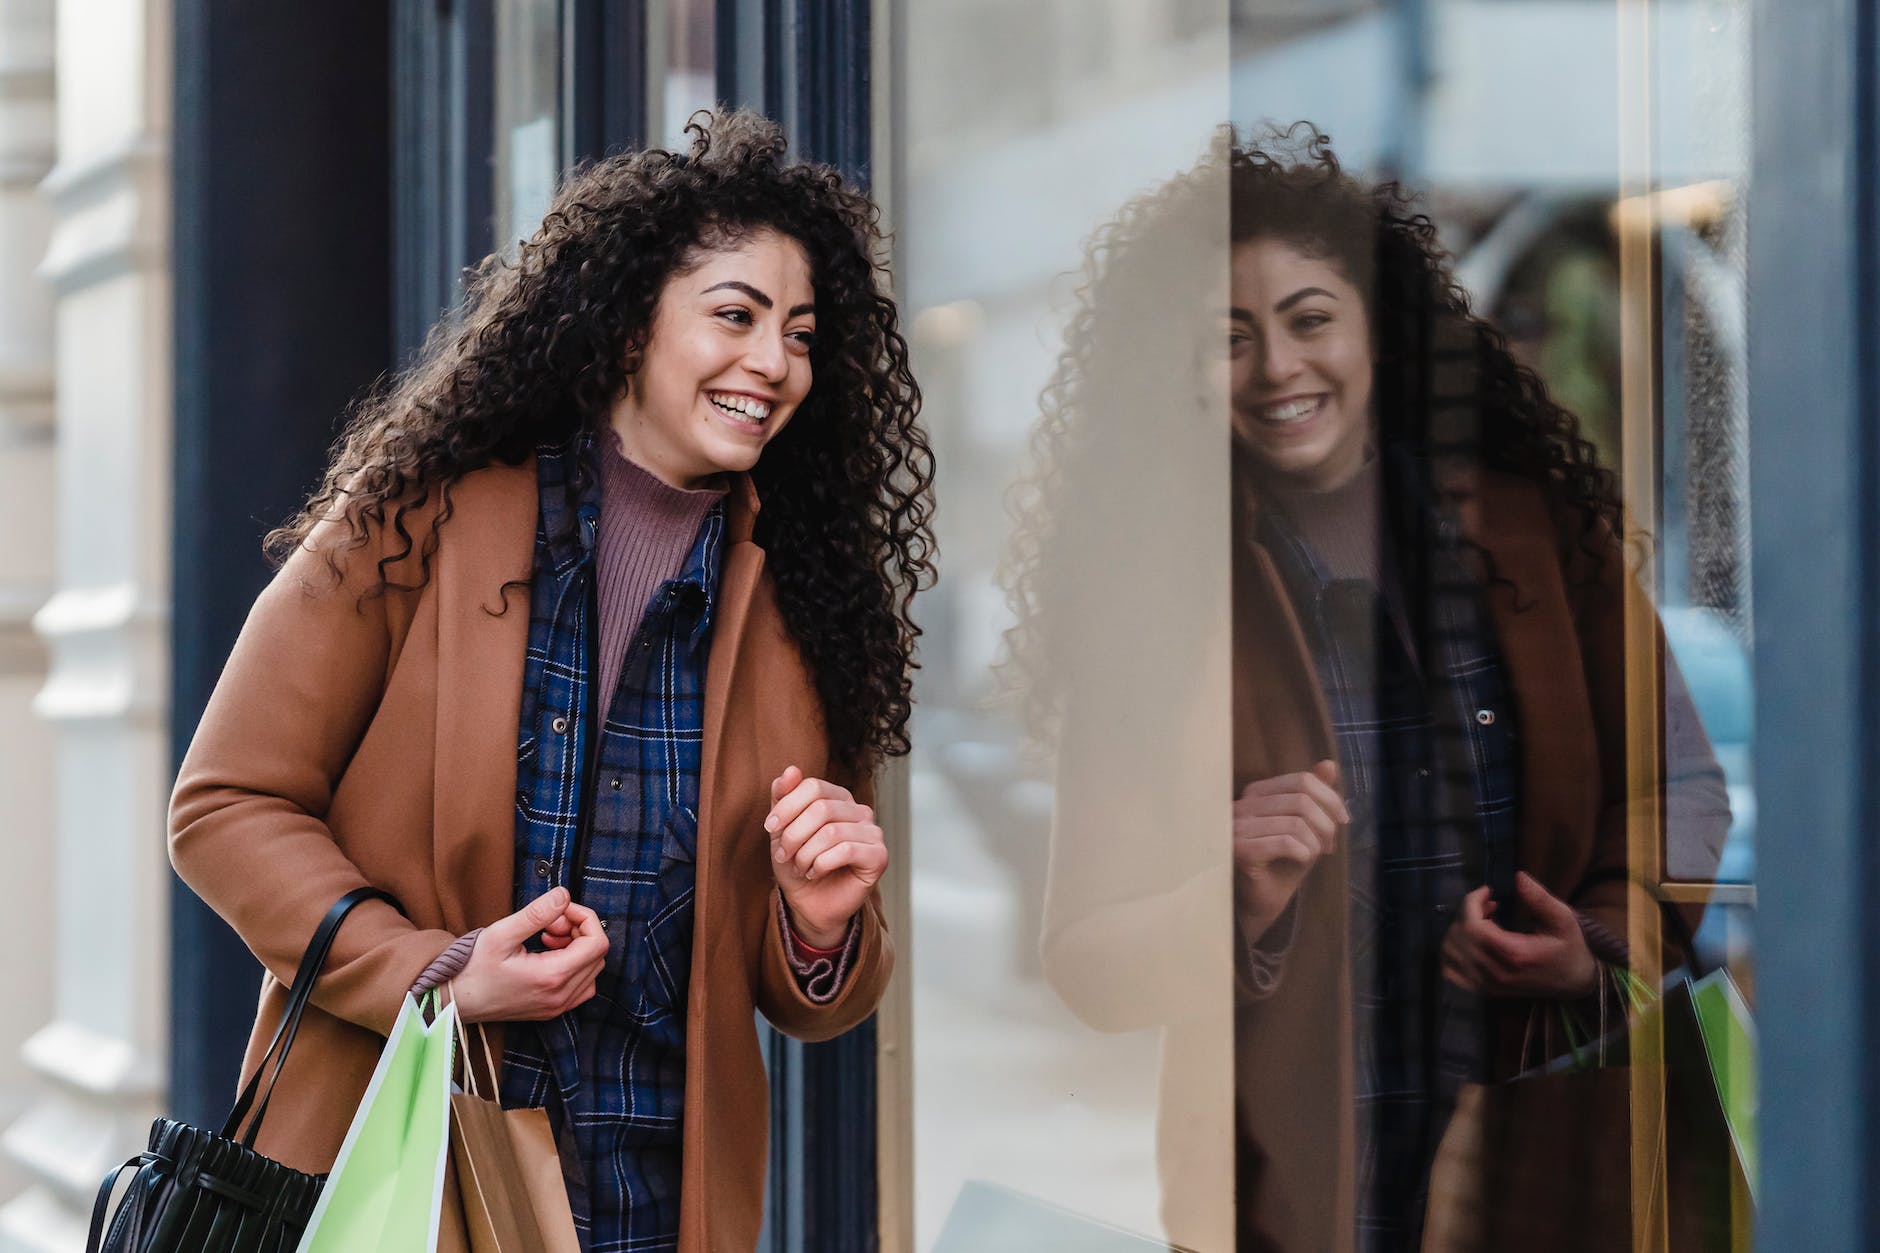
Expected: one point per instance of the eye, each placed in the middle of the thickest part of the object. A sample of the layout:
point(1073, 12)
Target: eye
point(807, 338)
point(1310, 321)
point(737, 314)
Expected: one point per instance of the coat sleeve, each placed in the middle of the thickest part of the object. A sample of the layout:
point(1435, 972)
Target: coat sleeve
point(779, 993)
point(247, 829)
point(1685, 789)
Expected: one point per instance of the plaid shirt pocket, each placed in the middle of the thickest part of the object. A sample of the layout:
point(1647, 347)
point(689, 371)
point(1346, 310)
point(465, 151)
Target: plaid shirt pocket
point(668, 936)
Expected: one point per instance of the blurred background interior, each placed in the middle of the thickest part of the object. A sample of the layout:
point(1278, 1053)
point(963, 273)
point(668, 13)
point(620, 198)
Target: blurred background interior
point(220, 222)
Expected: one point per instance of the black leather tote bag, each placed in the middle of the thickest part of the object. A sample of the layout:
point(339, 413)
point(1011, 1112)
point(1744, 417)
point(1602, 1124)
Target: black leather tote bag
point(196, 1191)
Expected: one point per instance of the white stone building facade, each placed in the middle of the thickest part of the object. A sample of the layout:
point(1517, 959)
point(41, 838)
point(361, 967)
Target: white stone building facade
point(85, 472)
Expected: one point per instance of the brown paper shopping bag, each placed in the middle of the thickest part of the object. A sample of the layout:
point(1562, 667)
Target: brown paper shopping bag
point(506, 1171)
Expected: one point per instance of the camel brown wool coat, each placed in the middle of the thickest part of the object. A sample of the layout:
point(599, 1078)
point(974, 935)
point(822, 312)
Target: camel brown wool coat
point(375, 742)
point(1139, 917)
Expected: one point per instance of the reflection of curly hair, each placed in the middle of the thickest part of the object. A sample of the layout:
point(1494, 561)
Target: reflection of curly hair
point(543, 349)
point(1446, 383)
point(1447, 389)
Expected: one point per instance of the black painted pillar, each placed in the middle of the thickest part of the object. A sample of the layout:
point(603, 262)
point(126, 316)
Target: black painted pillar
point(283, 314)
point(830, 1089)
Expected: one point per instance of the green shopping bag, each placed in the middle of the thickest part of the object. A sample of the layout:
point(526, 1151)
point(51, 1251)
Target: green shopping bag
point(385, 1192)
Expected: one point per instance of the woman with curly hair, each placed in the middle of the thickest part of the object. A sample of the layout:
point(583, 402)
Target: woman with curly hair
point(536, 663)
point(1430, 782)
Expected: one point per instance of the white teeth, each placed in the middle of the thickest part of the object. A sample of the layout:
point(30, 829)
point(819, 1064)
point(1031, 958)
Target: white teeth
point(745, 405)
point(1291, 411)
point(756, 410)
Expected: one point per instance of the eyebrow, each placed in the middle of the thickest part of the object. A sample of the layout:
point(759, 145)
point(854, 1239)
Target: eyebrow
point(1299, 295)
point(761, 298)
point(1240, 313)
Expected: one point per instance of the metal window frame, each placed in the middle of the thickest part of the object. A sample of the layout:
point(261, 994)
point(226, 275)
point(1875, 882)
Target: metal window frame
point(442, 200)
point(824, 1193)
point(1814, 384)
point(603, 110)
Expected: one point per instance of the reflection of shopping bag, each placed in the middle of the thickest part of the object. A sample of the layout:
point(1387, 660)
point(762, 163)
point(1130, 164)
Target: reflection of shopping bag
point(1543, 1161)
point(990, 1219)
point(1710, 1062)
point(1710, 1040)
point(506, 1180)
point(386, 1189)
point(1539, 1163)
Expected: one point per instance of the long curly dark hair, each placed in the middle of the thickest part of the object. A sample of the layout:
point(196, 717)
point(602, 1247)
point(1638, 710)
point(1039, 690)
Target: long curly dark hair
point(542, 350)
point(1114, 419)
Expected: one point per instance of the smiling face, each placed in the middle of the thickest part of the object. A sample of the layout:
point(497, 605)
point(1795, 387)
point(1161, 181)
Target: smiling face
point(726, 361)
point(1300, 353)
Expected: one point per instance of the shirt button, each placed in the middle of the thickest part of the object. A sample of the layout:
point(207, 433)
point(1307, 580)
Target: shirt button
point(1423, 772)
point(542, 867)
point(1486, 717)
point(607, 924)
point(1442, 911)
point(560, 725)
point(614, 783)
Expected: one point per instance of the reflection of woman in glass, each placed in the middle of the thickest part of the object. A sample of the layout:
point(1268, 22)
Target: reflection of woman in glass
point(537, 665)
point(1429, 709)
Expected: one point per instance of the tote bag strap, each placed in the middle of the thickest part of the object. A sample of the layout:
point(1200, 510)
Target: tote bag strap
point(298, 996)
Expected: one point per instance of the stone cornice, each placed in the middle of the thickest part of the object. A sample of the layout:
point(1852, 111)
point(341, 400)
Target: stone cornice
point(112, 215)
point(110, 648)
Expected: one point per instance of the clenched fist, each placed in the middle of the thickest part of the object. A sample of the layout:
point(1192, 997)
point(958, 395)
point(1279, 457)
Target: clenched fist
point(826, 852)
point(1282, 826)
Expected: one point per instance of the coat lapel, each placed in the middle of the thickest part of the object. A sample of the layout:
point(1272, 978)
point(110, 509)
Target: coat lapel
point(482, 640)
point(1534, 629)
point(719, 784)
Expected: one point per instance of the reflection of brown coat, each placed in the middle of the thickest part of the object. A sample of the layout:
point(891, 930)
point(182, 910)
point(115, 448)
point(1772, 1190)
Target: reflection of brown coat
point(1558, 611)
point(378, 744)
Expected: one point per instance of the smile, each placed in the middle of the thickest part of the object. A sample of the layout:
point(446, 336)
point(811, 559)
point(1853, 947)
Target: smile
point(1291, 412)
point(745, 410)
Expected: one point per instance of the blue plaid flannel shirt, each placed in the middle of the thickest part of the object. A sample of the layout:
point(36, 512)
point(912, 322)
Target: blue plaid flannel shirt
point(612, 1072)
point(1428, 754)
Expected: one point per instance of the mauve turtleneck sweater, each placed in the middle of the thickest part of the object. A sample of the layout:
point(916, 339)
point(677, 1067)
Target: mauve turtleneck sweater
point(647, 530)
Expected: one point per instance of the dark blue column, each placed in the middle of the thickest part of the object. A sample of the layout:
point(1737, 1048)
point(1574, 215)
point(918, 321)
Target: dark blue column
point(1815, 478)
point(282, 257)
point(603, 78)
point(817, 74)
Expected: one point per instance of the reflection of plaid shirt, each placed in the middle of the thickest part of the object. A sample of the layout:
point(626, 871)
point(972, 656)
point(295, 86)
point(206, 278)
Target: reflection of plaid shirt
point(615, 1067)
point(1428, 757)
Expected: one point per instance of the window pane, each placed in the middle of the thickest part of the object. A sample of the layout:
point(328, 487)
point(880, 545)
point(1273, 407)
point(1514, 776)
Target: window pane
point(527, 157)
point(685, 40)
point(1334, 817)
point(1038, 1069)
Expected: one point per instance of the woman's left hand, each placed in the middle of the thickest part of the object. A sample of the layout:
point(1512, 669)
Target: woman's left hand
point(1551, 961)
point(826, 852)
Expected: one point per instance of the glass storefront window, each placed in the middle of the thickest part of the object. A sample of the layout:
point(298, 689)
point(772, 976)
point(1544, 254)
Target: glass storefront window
point(1027, 127)
point(1514, 645)
point(527, 152)
point(682, 39)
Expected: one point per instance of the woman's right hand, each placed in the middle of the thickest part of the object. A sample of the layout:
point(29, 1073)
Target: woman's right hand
point(505, 982)
point(1282, 826)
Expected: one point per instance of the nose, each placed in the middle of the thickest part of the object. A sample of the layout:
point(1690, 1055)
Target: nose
point(1275, 359)
point(766, 357)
